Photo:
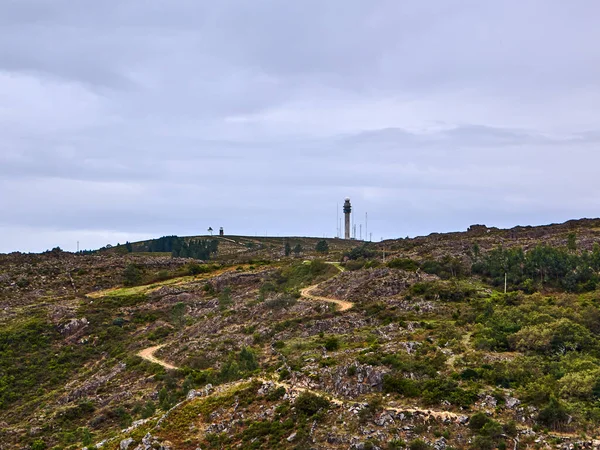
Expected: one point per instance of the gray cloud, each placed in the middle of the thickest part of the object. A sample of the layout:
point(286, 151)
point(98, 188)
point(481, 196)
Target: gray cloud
point(127, 119)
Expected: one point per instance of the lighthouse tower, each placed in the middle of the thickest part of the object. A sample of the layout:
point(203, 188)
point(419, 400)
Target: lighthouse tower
point(347, 211)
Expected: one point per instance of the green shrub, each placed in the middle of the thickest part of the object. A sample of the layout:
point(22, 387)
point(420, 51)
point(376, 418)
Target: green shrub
point(300, 274)
point(178, 314)
point(491, 429)
point(478, 421)
point(38, 444)
point(148, 410)
point(196, 269)
point(322, 246)
point(483, 443)
point(276, 394)
point(400, 385)
point(354, 265)
point(309, 404)
point(238, 365)
point(446, 268)
point(119, 322)
point(332, 343)
point(560, 336)
point(403, 264)
point(132, 275)
point(418, 444)
point(554, 415)
point(122, 416)
point(396, 444)
point(510, 428)
point(159, 333)
point(365, 251)
point(436, 390)
point(469, 374)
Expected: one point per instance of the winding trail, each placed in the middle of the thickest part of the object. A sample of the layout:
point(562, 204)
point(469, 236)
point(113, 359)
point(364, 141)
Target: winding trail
point(148, 355)
point(307, 292)
point(443, 415)
point(343, 304)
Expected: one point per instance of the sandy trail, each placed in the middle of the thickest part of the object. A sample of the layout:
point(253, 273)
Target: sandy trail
point(148, 355)
point(307, 293)
point(343, 304)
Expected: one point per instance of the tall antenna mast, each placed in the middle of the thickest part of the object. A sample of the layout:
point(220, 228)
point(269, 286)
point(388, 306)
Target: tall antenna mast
point(337, 220)
point(347, 218)
point(366, 225)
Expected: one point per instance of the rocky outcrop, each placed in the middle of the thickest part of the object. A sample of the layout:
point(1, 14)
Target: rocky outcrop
point(382, 283)
point(92, 385)
point(72, 326)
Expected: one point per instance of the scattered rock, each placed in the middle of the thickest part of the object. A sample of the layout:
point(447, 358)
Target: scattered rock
point(125, 443)
point(72, 326)
point(440, 444)
point(512, 403)
point(463, 420)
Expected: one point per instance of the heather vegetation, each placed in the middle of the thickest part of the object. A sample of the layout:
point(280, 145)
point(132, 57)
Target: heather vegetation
point(451, 341)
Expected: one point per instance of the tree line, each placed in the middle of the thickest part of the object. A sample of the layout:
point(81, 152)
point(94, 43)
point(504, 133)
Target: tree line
point(545, 266)
point(178, 247)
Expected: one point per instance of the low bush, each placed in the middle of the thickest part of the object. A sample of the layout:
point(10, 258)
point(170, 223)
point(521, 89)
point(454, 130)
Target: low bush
point(403, 264)
point(310, 404)
point(332, 343)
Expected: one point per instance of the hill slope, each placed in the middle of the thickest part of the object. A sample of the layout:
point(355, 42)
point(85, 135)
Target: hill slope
point(428, 351)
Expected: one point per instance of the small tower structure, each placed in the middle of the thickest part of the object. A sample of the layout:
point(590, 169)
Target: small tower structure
point(221, 232)
point(347, 212)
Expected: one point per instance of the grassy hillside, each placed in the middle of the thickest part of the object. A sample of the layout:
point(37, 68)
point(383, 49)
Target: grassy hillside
point(433, 352)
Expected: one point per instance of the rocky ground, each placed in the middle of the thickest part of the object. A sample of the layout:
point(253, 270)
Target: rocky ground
point(256, 365)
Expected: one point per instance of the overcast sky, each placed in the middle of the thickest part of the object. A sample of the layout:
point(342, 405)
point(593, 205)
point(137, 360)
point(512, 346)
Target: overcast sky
point(122, 120)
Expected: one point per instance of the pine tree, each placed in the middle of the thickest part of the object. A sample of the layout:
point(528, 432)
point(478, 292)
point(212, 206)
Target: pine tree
point(322, 246)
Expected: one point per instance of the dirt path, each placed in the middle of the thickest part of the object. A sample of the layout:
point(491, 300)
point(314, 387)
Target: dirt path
point(148, 355)
point(343, 304)
point(307, 293)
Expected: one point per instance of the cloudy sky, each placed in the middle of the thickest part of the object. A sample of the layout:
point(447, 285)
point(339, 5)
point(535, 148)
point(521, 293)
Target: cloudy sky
point(122, 119)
